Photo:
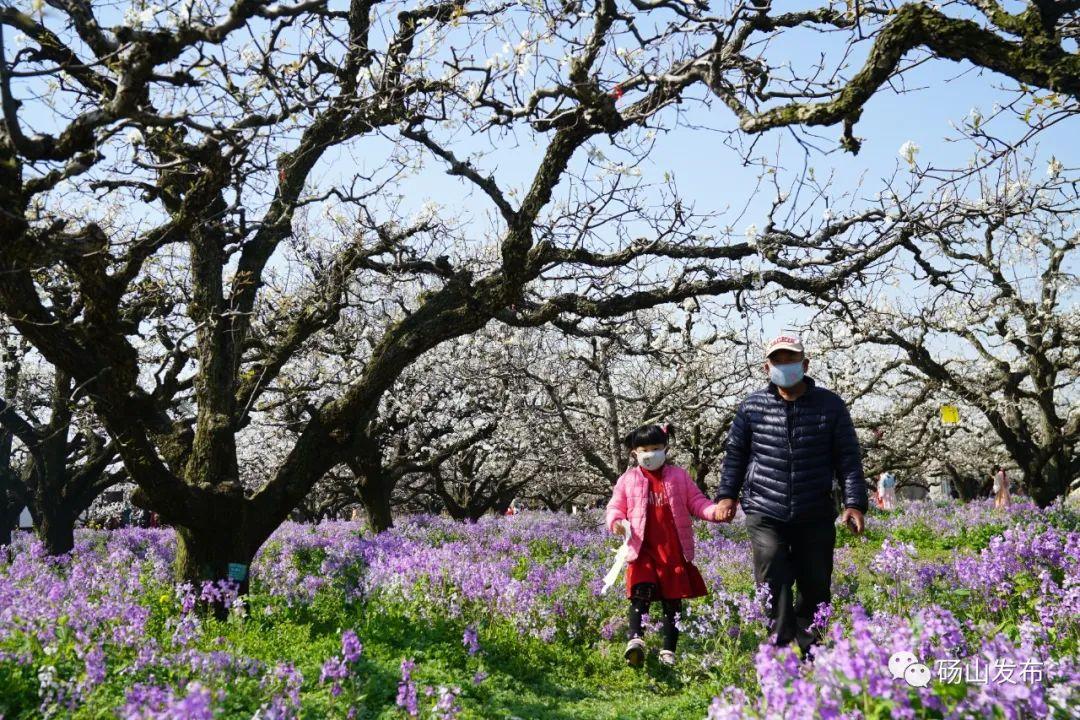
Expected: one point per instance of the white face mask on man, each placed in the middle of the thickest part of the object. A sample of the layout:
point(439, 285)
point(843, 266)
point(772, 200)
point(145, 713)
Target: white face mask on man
point(786, 375)
point(651, 459)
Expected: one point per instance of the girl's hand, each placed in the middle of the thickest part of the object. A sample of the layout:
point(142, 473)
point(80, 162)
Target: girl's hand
point(724, 511)
point(617, 527)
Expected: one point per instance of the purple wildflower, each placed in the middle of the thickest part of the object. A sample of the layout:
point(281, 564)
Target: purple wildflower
point(334, 669)
point(406, 697)
point(471, 640)
point(351, 647)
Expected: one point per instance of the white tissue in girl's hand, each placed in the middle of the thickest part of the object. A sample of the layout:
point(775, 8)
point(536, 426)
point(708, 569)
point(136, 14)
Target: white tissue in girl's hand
point(620, 561)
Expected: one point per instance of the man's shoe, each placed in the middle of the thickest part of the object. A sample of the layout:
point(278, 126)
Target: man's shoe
point(667, 657)
point(635, 652)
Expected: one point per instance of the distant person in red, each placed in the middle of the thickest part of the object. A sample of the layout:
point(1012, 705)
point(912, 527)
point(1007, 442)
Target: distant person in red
point(657, 500)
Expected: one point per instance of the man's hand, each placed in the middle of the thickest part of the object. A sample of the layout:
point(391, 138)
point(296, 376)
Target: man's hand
point(724, 510)
point(854, 520)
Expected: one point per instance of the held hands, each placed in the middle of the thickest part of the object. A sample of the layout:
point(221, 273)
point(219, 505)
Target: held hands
point(854, 520)
point(724, 511)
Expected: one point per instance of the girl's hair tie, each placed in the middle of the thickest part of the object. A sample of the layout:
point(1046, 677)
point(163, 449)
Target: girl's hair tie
point(664, 427)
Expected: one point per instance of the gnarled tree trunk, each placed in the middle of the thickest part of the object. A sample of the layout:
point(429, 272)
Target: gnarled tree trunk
point(9, 520)
point(375, 497)
point(1048, 478)
point(222, 546)
point(54, 523)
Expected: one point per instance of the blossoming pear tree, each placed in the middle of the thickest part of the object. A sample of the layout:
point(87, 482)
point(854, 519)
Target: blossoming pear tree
point(984, 311)
point(55, 460)
point(192, 150)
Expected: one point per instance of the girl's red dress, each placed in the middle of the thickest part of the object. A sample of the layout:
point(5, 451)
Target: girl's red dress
point(661, 559)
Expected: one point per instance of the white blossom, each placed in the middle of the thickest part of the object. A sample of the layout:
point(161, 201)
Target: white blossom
point(185, 12)
point(1015, 188)
point(827, 216)
point(428, 211)
point(908, 151)
point(47, 677)
point(1054, 168)
point(148, 14)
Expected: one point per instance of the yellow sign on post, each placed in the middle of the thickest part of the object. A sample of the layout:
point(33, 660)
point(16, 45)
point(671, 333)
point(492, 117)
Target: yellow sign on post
point(950, 415)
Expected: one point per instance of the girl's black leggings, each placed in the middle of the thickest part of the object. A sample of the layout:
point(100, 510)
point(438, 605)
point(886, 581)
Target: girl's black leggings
point(641, 599)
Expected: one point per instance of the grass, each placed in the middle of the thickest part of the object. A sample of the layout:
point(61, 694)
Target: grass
point(526, 677)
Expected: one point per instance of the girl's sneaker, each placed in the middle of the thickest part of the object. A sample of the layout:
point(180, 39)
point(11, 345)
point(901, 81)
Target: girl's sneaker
point(667, 657)
point(635, 652)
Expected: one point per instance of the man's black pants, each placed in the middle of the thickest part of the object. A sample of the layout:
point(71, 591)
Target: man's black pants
point(798, 553)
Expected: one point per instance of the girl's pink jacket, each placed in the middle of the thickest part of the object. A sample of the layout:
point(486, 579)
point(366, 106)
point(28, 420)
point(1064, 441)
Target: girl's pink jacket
point(628, 502)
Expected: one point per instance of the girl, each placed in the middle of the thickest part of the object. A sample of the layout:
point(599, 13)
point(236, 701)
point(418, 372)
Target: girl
point(1001, 487)
point(657, 499)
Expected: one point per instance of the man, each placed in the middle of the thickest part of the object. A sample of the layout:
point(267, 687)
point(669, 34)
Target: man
point(786, 444)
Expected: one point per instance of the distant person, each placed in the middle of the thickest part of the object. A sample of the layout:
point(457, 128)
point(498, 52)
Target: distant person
point(656, 500)
point(1001, 487)
point(887, 484)
point(786, 445)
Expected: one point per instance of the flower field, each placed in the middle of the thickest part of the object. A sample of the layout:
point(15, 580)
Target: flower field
point(503, 619)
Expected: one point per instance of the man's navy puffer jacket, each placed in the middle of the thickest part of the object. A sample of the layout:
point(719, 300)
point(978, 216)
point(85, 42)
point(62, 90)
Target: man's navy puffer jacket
point(786, 470)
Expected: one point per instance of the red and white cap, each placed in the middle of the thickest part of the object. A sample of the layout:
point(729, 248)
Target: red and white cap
point(784, 342)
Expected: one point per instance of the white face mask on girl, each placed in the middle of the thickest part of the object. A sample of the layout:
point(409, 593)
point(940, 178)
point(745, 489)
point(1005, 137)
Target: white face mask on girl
point(651, 459)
